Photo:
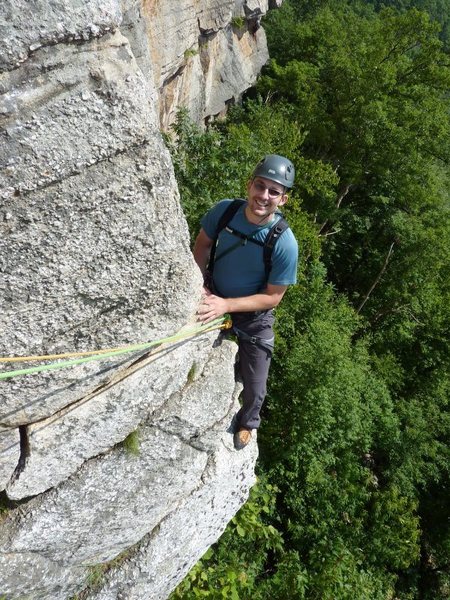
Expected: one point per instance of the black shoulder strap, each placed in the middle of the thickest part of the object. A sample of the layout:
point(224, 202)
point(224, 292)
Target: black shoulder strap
point(228, 214)
point(225, 218)
point(269, 243)
point(271, 239)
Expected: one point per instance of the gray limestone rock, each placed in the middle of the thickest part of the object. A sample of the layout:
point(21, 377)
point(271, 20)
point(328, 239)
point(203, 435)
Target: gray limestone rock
point(160, 508)
point(119, 498)
point(229, 73)
point(64, 111)
point(94, 245)
point(30, 576)
point(198, 60)
point(108, 506)
point(9, 454)
point(59, 445)
point(164, 557)
point(27, 26)
point(94, 254)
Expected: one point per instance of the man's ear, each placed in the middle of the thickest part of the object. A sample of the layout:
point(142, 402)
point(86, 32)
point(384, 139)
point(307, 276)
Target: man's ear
point(283, 200)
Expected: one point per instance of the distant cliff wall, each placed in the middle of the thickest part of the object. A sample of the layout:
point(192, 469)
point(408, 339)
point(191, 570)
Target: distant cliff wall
point(201, 55)
point(124, 464)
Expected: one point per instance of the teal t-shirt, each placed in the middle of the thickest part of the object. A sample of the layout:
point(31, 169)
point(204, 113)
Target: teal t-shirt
point(241, 272)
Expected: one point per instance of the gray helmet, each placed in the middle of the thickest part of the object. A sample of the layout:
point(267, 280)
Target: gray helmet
point(276, 168)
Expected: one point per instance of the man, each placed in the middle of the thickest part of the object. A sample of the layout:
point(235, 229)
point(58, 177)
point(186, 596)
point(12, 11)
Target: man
point(238, 282)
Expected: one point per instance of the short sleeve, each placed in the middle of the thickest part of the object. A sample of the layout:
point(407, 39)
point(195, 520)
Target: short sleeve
point(284, 260)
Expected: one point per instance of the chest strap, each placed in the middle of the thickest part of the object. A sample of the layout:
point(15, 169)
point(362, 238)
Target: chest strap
point(268, 245)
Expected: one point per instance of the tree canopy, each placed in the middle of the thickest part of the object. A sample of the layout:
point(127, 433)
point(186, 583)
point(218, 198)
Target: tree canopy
point(354, 444)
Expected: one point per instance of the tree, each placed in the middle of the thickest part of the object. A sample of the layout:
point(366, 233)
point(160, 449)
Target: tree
point(438, 10)
point(355, 439)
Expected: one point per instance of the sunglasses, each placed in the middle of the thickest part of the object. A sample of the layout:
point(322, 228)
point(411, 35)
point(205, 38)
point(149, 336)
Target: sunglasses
point(261, 188)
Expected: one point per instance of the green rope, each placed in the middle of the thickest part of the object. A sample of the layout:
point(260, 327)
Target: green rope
point(79, 361)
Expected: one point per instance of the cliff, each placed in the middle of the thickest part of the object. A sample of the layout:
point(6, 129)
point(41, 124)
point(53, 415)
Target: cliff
point(127, 462)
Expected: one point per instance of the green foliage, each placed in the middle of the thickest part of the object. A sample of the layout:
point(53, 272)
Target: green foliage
point(238, 22)
point(192, 372)
point(360, 85)
point(321, 442)
point(395, 538)
point(230, 569)
point(371, 89)
point(435, 515)
point(94, 580)
point(437, 9)
point(190, 52)
point(356, 428)
point(339, 574)
point(95, 577)
point(96, 574)
point(131, 443)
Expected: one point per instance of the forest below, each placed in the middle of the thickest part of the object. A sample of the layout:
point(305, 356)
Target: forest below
point(352, 499)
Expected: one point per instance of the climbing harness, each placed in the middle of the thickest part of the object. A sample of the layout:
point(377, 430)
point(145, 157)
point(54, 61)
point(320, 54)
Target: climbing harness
point(266, 345)
point(94, 355)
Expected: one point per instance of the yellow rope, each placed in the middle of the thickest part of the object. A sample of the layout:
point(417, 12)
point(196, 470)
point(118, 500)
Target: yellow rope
point(215, 324)
point(11, 359)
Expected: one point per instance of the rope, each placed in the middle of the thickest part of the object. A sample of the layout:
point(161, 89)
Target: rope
point(106, 353)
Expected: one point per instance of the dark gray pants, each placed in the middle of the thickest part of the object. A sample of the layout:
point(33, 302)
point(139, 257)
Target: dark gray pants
point(254, 362)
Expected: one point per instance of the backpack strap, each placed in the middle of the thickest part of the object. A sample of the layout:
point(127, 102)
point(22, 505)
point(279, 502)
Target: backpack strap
point(228, 214)
point(271, 239)
point(225, 218)
point(268, 245)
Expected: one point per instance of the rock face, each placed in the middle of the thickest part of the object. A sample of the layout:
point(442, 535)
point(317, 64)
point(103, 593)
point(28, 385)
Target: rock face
point(153, 512)
point(125, 462)
point(204, 55)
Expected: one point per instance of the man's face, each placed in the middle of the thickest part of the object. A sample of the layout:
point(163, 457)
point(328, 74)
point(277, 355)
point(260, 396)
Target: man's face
point(264, 197)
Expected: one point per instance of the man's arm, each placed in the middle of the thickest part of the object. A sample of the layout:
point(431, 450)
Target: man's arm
point(213, 306)
point(202, 250)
